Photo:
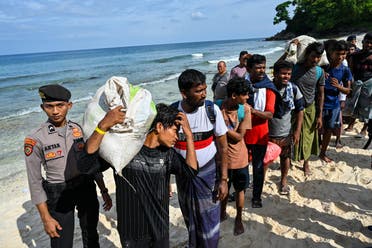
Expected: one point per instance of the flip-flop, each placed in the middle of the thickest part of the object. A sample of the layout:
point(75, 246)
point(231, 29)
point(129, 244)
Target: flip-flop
point(284, 190)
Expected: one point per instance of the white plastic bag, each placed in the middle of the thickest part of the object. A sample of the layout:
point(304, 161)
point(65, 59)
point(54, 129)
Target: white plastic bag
point(123, 141)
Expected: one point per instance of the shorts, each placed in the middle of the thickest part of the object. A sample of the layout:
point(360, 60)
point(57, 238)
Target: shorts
point(239, 178)
point(331, 118)
point(286, 144)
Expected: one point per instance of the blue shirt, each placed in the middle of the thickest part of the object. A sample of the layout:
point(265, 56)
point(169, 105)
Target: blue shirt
point(342, 74)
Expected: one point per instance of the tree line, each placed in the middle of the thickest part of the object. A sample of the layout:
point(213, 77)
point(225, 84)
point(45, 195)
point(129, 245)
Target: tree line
point(324, 17)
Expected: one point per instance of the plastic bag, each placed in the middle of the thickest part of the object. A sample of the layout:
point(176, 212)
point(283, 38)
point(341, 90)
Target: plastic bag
point(272, 152)
point(123, 141)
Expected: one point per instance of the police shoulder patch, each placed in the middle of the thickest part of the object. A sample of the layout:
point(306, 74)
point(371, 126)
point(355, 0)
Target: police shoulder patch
point(29, 146)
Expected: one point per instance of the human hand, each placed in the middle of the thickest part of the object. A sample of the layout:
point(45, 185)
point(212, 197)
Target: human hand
point(182, 121)
point(51, 227)
point(107, 201)
point(296, 137)
point(334, 83)
point(112, 117)
point(319, 123)
point(222, 190)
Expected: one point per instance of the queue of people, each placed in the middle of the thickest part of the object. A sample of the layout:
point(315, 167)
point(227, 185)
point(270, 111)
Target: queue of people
point(206, 145)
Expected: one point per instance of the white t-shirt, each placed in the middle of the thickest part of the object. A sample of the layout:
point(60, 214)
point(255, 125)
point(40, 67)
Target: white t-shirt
point(199, 122)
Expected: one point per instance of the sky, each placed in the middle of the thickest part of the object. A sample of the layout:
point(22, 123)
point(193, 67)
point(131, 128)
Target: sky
point(29, 26)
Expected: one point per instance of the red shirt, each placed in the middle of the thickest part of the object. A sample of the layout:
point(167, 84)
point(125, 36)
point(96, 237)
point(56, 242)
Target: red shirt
point(259, 134)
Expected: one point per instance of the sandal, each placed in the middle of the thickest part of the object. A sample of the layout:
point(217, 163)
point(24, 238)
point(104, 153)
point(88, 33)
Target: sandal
point(284, 190)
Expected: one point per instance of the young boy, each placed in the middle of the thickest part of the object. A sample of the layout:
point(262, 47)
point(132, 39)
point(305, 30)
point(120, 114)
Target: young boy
point(338, 80)
point(289, 105)
point(142, 198)
point(237, 116)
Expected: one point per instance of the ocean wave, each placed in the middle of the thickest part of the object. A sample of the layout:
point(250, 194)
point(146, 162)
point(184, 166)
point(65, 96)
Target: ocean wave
point(38, 109)
point(272, 50)
point(227, 60)
point(197, 55)
point(22, 113)
point(162, 80)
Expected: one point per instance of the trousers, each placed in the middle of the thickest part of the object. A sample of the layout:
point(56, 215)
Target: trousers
point(62, 199)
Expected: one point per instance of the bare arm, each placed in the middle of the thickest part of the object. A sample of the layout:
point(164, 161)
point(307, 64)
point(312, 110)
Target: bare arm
point(297, 131)
point(267, 115)
point(51, 226)
point(221, 142)
point(104, 192)
point(111, 118)
point(346, 90)
point(191, 159)
point(319, 121)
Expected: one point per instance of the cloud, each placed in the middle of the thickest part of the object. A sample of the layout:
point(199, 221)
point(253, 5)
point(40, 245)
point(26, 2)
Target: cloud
point(34, 5)
point(198, 15)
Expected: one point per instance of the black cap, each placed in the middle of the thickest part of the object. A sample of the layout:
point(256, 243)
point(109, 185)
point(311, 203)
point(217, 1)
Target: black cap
point(351, 37)
point(54, 92)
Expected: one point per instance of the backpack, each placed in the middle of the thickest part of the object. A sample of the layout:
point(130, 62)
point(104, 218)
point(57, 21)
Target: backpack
point(209, 108)
point(240, 109)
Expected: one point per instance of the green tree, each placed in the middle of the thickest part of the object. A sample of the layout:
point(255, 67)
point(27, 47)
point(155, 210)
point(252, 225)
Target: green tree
point(322, 16)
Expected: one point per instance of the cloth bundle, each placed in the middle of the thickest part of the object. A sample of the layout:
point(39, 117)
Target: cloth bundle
point(123, 141)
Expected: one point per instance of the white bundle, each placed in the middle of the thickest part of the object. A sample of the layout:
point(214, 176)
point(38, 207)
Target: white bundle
point(296, 53)
point(123, 141)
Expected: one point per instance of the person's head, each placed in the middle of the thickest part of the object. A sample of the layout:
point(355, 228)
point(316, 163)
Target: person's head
point(367, 42)
point(237, 90)
point(164, 125)
point(256, 66)
point(351, 39)
point(282, 72)
point(55, 103)
point(193, 88)
point(338, 52)
point(313, 54)
point(221, 67)
point(351, 48)
point(242, 58)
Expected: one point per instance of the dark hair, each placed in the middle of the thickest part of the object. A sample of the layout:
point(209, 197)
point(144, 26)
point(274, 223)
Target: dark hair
point(351, 37)
point(350, 45)
point(368, 36)
point(340, 45)
point(316, 47)
point(238, 86)
point(282, 64)
point(166, 115)
point(329, 44)
point(242, 53)
point(190, 78)
point(255, 59)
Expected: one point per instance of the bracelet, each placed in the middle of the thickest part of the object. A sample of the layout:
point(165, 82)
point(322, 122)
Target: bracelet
point(104, 191)
point(100, 131)
point(226, 179)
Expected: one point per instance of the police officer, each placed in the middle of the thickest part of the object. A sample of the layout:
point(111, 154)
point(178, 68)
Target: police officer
point(58, 146)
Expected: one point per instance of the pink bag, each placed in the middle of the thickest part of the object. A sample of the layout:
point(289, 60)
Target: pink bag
point(272, 152)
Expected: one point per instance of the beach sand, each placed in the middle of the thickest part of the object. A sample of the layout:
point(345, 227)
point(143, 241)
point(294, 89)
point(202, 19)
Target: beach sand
point(330, 208)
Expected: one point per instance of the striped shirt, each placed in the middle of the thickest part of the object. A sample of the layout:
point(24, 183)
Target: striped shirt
point(143, 205)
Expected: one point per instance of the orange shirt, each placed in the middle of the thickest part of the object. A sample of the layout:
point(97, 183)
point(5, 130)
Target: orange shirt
point(237, 151)
point(259, 134)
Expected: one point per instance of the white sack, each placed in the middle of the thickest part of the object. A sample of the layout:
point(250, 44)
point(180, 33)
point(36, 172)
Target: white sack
point(123, 141)
point(295, 53)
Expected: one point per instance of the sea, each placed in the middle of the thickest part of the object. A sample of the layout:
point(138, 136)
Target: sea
point(154, 67)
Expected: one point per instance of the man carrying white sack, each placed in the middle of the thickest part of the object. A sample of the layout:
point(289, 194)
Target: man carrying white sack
point(142, 196)
point(58, 146)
